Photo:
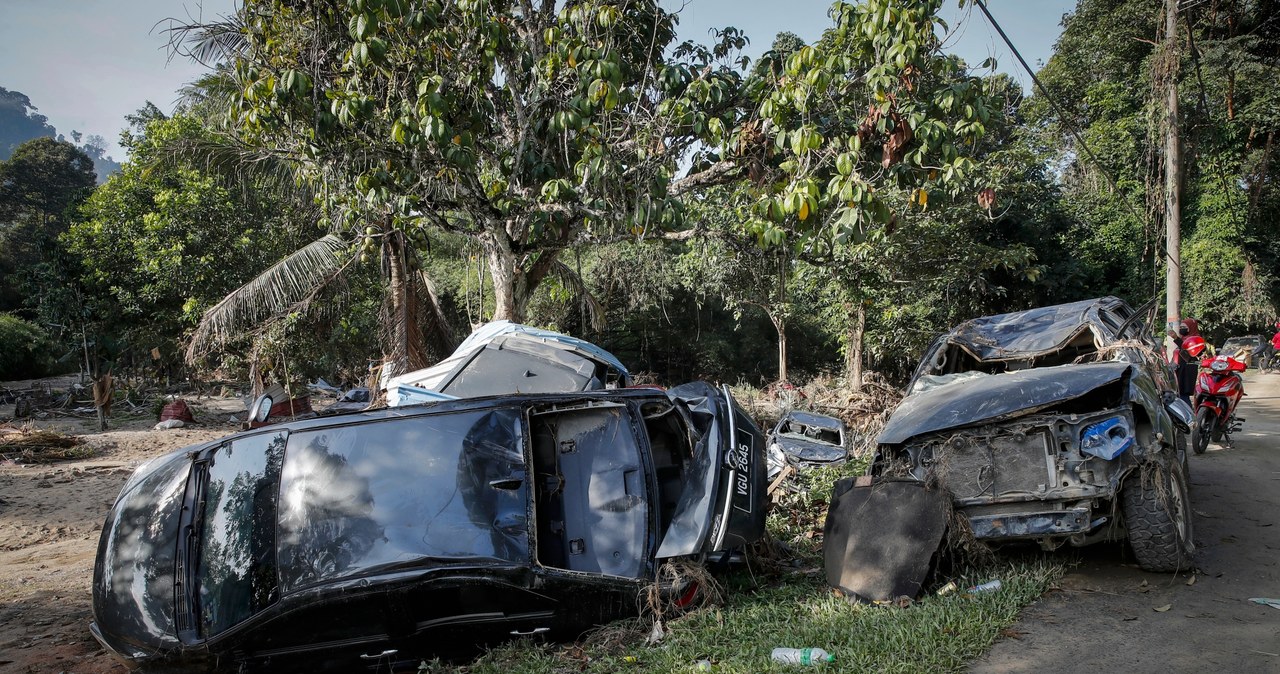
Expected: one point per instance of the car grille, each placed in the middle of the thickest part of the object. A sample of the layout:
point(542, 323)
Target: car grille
point(978, 466)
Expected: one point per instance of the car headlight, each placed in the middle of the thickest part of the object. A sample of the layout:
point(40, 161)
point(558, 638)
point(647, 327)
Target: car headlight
point(1107, 439)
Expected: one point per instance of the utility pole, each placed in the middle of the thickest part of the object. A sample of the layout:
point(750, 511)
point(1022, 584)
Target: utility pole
point(1172, 170)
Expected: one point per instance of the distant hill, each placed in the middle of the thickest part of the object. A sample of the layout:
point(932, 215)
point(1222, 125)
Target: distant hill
point(20, 122)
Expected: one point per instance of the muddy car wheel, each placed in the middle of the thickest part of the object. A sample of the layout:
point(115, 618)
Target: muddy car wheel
point(1158, 515)
point(1204, 428)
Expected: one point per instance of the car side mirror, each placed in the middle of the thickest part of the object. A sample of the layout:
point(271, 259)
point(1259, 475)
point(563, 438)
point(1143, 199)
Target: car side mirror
point(261, 409)
point(1179, 411)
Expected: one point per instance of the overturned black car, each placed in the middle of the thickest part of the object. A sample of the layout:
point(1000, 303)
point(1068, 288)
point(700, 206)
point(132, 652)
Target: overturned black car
point(366, 540)
point(1055, 425)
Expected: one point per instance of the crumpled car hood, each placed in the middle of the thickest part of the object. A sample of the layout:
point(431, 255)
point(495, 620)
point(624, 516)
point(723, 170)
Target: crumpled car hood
point(996, 397)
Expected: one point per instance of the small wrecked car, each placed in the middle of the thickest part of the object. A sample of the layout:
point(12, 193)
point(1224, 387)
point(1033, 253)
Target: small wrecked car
point(807, 439)
point(371, 540)
point(1057, 425)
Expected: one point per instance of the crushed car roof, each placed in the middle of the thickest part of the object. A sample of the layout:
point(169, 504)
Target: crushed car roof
point(1026, 333)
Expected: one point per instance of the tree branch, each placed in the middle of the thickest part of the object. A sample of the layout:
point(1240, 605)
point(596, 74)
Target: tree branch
point(719, 174)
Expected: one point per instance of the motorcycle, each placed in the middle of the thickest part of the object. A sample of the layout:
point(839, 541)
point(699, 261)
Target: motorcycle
point(1218, 391)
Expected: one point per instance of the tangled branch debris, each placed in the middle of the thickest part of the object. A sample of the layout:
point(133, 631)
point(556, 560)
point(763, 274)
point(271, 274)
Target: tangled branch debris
point(864, 411)
point(29, 445)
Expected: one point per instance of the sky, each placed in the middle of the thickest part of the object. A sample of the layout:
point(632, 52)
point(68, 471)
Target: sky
point(85, 64)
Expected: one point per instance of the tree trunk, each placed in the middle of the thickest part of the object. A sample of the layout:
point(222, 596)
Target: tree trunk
point(780, 324)
point(510, 298)
point(853, 347)
point(404, 342)
point(515, 276)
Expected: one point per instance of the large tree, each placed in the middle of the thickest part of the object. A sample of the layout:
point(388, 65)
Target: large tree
point(526, 128)
point(1108, 80)
point(162, 242)
point(41, 184)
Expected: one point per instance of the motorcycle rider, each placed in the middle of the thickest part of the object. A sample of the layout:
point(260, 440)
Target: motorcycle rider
point(1188, 348)
point(1275, 344)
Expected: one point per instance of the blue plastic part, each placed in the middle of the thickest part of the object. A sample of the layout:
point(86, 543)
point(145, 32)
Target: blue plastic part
point(1107, 439)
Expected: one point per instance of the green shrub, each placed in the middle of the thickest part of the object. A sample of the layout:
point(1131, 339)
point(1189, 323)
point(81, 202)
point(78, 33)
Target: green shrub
point(25, 349)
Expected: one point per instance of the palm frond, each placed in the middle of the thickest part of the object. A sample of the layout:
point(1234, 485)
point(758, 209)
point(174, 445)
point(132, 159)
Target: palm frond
point(238, 164)
point(211, 94)
point(595, 308)
point(207, 43)
point(437, 332)
point(273, 293)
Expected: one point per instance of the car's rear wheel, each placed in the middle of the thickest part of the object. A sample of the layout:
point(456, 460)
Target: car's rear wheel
point(1157, 513)
point(1204, 428)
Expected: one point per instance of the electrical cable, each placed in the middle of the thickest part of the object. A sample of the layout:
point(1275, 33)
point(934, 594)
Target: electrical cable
point(982, 5)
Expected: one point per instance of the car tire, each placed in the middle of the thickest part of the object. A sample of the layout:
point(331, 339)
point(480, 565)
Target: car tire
point(1203, 429)
point(1157, 514)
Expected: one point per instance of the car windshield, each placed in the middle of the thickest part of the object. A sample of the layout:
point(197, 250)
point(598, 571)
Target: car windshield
point(391, 493)
point(237, 571)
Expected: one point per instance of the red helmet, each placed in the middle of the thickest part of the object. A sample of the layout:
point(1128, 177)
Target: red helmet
point(1194, 344)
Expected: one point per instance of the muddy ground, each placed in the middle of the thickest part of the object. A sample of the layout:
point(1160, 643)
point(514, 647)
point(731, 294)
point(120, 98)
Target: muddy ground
point(50, 517)
point(1108, 616)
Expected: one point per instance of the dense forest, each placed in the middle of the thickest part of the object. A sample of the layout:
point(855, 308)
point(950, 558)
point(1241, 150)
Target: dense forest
point(363, 182)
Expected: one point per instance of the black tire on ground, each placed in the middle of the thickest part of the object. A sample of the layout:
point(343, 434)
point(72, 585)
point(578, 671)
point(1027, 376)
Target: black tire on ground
point(1203, 429)
point(1158, 516)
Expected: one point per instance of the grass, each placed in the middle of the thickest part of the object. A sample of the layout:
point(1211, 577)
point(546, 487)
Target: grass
point(790, 605)
point(936, 634)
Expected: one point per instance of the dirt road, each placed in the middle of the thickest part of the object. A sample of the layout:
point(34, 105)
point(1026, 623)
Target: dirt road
point(1108, 616)
point(50, 517)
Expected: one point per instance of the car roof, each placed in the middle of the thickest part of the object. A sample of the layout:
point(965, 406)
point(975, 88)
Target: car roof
point(812, 419)
point(1037, 330)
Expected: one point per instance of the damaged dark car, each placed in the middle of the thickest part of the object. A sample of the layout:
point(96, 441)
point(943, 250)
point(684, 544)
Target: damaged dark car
point(372, 540)
point(806, 439)
point(1057, 425)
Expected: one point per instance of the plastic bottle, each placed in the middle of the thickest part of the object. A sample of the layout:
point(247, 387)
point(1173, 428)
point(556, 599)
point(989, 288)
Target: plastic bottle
point(989, 586)
point(802, 656)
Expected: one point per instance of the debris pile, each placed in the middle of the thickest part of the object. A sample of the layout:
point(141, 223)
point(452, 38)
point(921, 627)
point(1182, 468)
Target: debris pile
point(30, 445)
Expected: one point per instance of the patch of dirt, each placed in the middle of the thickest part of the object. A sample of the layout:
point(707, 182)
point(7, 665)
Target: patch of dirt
point(51, 515)
point(1107, 615)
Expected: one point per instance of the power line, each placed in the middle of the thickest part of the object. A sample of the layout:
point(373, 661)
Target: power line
point(1062, 114)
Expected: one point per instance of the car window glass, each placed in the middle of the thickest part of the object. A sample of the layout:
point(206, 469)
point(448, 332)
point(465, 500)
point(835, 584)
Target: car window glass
point(237, 571)
point(138, 550)
point(442, 487)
